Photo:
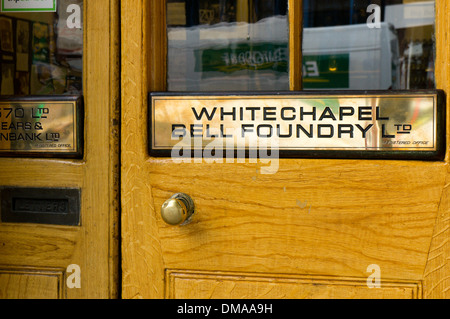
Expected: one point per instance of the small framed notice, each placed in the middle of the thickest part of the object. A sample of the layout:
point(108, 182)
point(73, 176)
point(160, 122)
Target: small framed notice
point(28, 5)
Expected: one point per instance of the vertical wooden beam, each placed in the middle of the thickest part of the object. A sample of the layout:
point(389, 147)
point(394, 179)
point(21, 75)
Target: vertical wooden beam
point(295, 44)
point(242, 11)
point(100, 215)
point(143, 70)
point(437, 270)
point(156, 44)
point(114, 154)
point(442, 66)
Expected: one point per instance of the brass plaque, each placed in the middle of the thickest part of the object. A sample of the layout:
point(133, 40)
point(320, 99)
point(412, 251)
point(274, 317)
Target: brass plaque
point(41, 126)
point(396, 125)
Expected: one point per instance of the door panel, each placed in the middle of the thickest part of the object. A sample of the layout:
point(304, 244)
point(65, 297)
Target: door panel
point(31, 283)
point(312, 230)
point(35, 258)
point(310, 218)
point(222, 285)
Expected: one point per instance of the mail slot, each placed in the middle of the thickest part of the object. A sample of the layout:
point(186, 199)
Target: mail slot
point(57, 206)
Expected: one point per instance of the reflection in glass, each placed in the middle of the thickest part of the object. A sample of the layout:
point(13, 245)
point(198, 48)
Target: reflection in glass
point(362, 44)
point(41, 52)
point(227, 45)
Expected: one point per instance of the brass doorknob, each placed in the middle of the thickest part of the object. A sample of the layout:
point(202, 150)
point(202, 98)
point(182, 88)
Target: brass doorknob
point(177, 209)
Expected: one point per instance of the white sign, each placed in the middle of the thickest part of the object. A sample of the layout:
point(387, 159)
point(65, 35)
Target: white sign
point(411, 15)
point(28, 5)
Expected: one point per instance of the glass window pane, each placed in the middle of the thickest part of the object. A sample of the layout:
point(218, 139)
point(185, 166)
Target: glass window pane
point(227, 45)
point(41, 52)
point(368, 44)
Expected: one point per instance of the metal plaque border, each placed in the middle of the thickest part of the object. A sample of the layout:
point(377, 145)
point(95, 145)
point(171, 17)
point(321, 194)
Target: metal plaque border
point(436, 155)
point(79, 124)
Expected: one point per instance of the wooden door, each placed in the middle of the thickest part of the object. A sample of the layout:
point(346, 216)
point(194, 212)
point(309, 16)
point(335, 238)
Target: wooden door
point(53, 261)
point(318, 228)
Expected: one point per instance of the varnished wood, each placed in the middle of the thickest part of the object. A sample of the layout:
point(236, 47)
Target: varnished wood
point(319, 218)
point(94, 245)
point(25, 245)
point(156, 42)
point(226, 285)
point(141, 252)
point(295, 44)
point(437, 271)
point(308, 218)
point(25, 283)
point(442, 69)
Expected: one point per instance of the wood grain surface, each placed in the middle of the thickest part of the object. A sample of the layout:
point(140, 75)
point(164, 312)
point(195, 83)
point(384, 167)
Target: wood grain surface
point(93, 245)
point(31, 283)
point(223, 285)
point(329, 218)
point(437, 270)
